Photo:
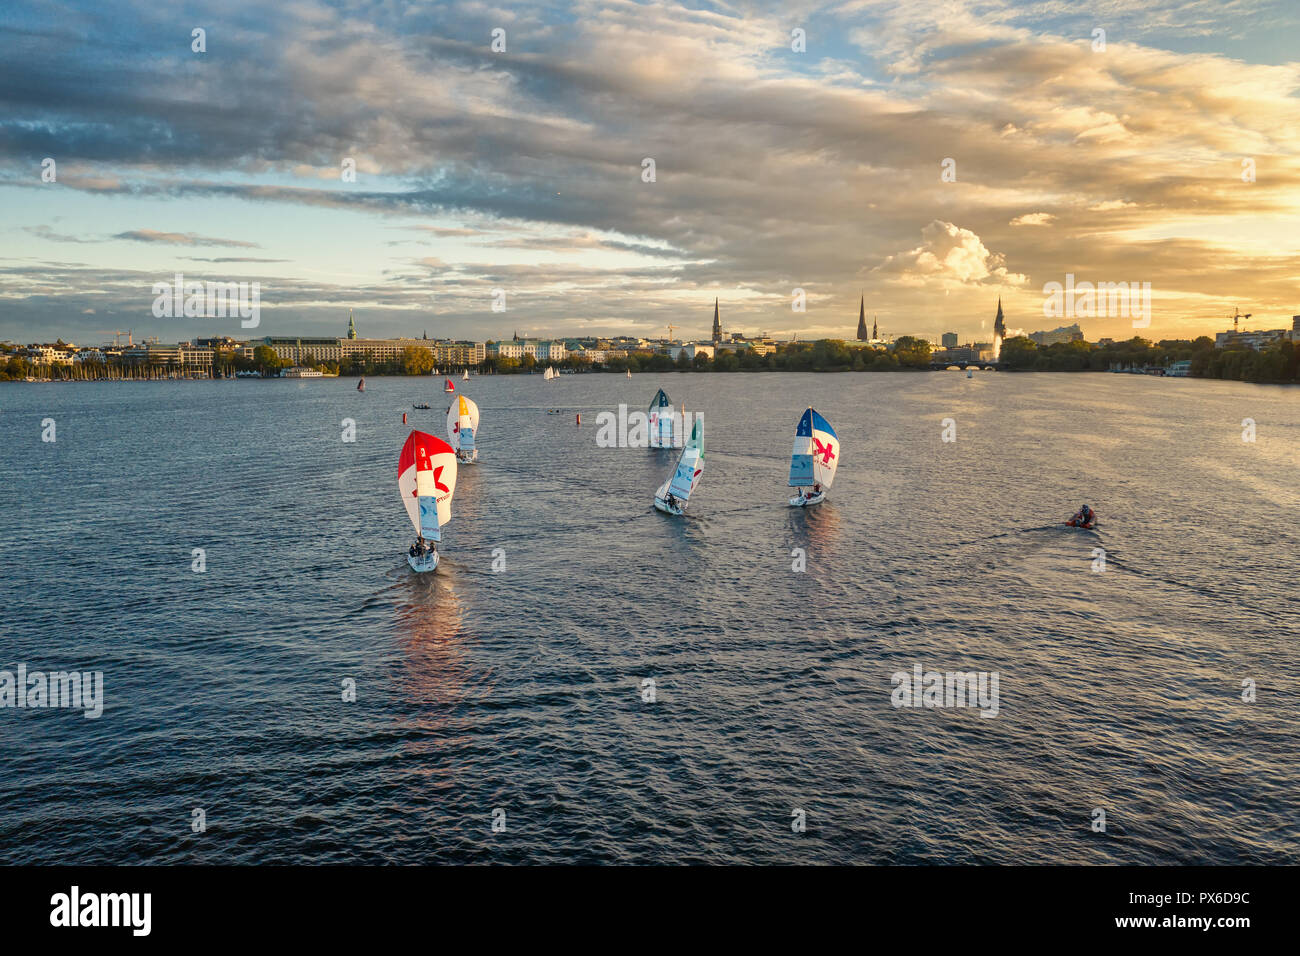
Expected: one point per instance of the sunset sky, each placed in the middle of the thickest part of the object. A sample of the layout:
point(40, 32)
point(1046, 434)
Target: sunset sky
point(522, 170)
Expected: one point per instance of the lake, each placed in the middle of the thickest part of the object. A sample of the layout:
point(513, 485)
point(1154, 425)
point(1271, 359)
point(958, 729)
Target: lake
point(523, 695)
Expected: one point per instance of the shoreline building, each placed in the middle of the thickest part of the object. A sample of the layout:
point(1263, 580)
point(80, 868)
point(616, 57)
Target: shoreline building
point(1064, 333)
point(1253, 340)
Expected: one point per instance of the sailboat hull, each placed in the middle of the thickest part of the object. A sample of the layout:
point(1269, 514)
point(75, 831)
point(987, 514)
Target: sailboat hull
point(799, 501)
point(424, 563)
point(668, 509)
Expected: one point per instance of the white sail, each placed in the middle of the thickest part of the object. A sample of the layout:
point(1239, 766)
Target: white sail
point(816, 452)
point(690, 465)
point(462, 424)
point(660, 416)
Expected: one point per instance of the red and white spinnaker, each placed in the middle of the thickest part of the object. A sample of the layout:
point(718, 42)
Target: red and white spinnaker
point(426, 477)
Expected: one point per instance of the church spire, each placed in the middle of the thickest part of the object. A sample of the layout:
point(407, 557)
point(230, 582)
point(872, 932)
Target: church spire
point(717, 325)
point(352, 327)
point(1000, 323)
point(875, 331)
point(862, 319)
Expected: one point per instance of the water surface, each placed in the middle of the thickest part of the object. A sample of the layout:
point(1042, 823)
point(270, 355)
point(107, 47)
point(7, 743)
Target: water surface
point(522, 690)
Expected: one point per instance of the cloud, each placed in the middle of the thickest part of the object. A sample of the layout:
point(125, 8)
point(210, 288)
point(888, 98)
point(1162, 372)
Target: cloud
point(774, 170)
point(950, 253)
point(180, 239)
point(45, 232)
point(231, 259)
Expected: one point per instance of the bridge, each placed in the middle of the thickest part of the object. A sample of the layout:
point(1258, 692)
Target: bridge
point(964, 357)
point(942, 364)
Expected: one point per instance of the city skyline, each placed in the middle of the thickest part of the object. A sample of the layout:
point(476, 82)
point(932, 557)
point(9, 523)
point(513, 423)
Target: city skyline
point(775, 169)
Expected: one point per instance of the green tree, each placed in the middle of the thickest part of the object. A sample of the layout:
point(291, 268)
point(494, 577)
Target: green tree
point(265, 359)
point(912, 352)
point(417, 360)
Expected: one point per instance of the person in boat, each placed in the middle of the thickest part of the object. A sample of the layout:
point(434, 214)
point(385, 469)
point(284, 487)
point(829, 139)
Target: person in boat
point(1085, 517)
point(671, 501)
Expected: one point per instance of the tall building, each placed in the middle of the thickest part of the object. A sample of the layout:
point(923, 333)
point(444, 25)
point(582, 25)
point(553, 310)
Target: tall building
point(717, 325)
point(352, 328)
point(1000, 323)
point(950, 340)
point(862, 319)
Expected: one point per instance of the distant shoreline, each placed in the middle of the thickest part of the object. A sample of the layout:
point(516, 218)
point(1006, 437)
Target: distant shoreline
point(616, 372)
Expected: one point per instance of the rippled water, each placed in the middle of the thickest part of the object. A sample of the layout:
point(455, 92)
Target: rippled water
point(522, 690)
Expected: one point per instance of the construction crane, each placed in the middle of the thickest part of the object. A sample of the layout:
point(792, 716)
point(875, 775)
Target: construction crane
point(670, 331)
point(1236, 314)
point(116, 333)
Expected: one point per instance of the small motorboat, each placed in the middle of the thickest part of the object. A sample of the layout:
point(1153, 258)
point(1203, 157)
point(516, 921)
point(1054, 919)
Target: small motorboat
point(422, 405)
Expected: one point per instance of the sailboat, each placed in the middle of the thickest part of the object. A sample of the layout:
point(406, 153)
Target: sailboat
point(426, 478)
point(673, 494)
point(550, 373)
point(629, 373)
point(361, 385)
point(815, 457)
point(661, 421)
point(462, 426)
point(465, 377)
point(448, 385)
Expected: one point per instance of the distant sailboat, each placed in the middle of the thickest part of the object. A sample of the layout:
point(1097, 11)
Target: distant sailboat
point(462, 427)
point(661, 421)
point(815, 457)
point(361, 385)
point(448, 385)
point(673, 494)
point(426, 478)
point(465, 377)
point(550, 373)
point(629, 373)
